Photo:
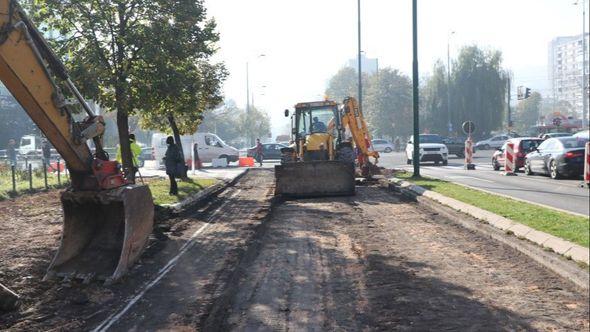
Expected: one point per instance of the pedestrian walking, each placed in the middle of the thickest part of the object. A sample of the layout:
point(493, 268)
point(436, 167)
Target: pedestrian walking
point(259, 152)
point(11, 152)
point(397, 144)
point(172, 160)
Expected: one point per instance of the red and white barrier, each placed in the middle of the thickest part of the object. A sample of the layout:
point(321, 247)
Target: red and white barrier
point(509, 159)
point(587, 164)
point(469, 154)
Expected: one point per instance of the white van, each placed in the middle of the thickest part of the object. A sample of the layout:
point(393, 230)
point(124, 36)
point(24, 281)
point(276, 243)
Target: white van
point(210, 147)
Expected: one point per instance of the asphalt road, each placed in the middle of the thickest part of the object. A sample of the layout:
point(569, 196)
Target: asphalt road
point(562, 194)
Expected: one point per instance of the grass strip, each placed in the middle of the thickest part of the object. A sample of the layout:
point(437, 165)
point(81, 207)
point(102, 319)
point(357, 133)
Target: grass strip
point(563, 225)
point(160, 188)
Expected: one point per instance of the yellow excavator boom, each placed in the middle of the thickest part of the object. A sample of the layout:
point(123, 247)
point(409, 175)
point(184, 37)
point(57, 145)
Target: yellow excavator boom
point(107, 221)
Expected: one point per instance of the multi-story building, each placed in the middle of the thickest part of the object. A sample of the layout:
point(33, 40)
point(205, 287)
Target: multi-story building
point(369, 65)
point(565, 70)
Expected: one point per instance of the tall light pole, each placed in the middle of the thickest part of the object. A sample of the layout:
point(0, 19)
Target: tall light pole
point(585, 83)
point(360, 84)
point(415, 77)
point(449, 120)
point(248, 91)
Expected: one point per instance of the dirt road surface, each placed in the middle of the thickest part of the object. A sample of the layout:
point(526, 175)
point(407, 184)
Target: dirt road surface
point(369, 262)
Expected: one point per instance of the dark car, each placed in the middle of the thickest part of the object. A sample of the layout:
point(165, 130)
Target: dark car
point(456, 145)
point(522, 146)
point(269, 150)
point(557, 157)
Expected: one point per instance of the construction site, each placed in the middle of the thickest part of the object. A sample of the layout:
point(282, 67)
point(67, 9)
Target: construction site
point(322, 238)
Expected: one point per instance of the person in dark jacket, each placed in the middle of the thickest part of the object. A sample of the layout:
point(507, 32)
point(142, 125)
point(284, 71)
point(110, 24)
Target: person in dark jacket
point(172, 159)
point(11, 152)
point(259, 152)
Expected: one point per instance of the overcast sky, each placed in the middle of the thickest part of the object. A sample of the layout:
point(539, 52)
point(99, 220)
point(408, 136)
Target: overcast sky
point(305, 42)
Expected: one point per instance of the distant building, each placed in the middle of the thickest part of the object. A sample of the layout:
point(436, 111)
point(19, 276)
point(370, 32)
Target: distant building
point(369, 65)
point(565, 69)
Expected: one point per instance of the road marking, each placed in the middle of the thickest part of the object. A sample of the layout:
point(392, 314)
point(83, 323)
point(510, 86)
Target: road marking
point(112, 319)
point(469, 177)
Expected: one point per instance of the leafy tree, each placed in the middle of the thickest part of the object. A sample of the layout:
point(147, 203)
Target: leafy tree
point(254, 124)
point(225, 122)
point(434, 104)
point(388, 103)
point(345, 84)
point(528, 112)
point(478, 89)
point(14, 121)
point(113, 48)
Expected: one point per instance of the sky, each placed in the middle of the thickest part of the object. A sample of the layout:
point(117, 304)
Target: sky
point(305, 42)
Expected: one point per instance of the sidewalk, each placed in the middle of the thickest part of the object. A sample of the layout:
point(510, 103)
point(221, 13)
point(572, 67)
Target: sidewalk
point(226, 173)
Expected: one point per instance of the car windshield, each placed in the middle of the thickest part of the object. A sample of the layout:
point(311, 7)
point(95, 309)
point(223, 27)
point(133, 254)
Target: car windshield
point(528, 145)
point(430, 139)
point(573, 142)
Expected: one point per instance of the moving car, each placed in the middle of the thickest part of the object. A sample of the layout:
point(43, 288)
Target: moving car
point(270, 150)
point(492, 142)
point(432, 148)
point(557, 157)
point(382, 145)
point(210, 147)
point(522, 146)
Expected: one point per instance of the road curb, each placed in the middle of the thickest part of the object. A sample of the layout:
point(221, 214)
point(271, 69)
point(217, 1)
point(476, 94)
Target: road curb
point(539, 239)
point(166, 210)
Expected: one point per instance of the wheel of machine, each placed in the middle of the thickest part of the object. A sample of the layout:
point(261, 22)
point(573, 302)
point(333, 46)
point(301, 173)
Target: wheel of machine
point(346, 154)
point(527, 168)
point(388, 150)
point(495, 165)
point(553, 170)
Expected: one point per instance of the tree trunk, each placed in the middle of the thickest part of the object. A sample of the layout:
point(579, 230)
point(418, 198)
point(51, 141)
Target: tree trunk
point(126, 156)
point(178, 142)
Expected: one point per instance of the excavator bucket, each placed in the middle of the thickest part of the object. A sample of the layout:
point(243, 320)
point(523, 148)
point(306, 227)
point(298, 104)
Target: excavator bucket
point(104, 233)
point(314, 179)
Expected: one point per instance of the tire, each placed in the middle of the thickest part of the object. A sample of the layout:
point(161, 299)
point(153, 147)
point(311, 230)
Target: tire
point(527, 168)
point(553, 172)
point(445, 162)
point(346, 154)
point(495, 165)
point(485, 147)
point(223, 156)
point(387, 150)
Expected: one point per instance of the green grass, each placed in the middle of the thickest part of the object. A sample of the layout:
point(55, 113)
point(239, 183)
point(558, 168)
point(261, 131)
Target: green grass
point(160, 188)
point(22, 182)
point(566, 226)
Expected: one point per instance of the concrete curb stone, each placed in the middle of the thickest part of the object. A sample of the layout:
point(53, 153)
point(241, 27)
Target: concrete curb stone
point(560, 246)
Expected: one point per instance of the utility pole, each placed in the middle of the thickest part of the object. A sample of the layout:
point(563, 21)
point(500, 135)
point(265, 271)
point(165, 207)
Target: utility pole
point(508, 97)
point(449, 123)
point(415, 82)
point(359, 58)
point(247, 88)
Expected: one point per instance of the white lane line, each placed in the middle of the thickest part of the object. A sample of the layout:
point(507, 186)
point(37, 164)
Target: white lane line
point(468, 177)
point(112, 319)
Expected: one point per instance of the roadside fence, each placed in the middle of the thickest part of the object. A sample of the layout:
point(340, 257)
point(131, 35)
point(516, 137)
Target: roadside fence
point(30, 175)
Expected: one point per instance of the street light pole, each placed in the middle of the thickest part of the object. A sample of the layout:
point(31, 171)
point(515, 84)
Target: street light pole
point(247, 89)
point(449, 123)
point(360, 84)
point(416, 141)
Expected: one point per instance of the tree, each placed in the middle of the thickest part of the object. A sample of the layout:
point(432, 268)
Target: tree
point(345, 84)
point(434, 113)
point(528, 112)
point(388, 103)
point(254, 124)
point(478, 89)
point(14, 121)
point(109, 47)
point(225, 122)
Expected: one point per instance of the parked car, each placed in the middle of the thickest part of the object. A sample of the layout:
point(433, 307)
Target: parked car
point(522, 146)
point(210, 146)
point(270, 150)
point(382, 145)
point(557, 157)
point(554, 135)
point(432, 148)
point(456, 145)
point(492, 142)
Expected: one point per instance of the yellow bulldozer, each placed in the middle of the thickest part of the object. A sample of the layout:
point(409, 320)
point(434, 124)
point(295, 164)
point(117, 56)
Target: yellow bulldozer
point(107, 219)
point(331, 146)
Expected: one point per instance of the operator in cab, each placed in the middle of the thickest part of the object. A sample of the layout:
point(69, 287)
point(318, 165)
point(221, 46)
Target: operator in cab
point(317, 126)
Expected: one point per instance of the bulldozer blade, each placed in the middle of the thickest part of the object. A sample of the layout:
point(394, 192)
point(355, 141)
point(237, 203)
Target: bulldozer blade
point(314, 179)
point(104, 232)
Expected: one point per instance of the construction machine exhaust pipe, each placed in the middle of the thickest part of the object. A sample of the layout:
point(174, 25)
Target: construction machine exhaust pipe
point(104, 233)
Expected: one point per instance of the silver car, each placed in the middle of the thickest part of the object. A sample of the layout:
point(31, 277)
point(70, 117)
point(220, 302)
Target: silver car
point(381, 145)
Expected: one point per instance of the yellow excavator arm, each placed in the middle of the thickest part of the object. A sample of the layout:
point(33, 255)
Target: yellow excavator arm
point(354, 120)
point(107, 221)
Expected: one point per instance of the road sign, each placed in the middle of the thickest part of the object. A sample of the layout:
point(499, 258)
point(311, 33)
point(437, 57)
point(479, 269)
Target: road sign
point(468, 127)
